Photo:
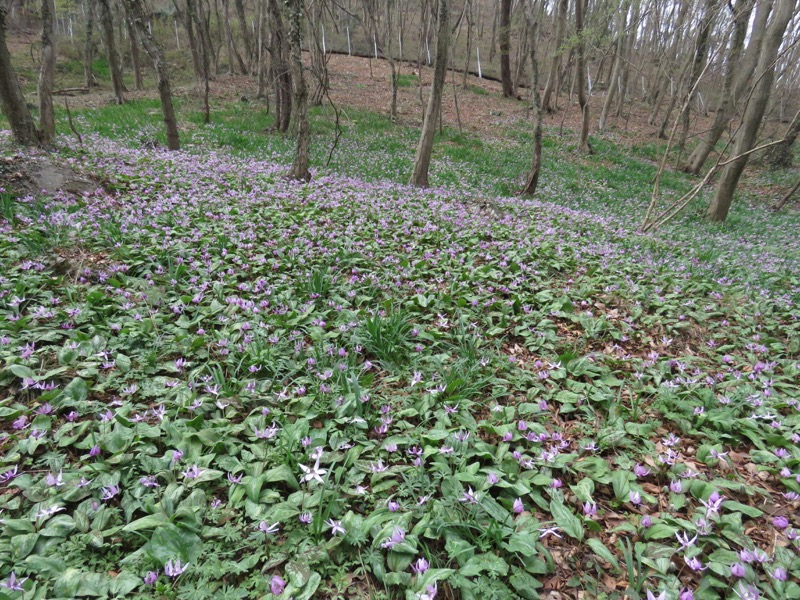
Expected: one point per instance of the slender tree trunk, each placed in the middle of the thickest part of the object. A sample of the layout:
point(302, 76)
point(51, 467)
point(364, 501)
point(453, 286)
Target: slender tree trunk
point(280, 72)
point(536, 162)
point(422, 159)
point(754, 114)
point(111, 51)
point(23, 127)
point(615, 69)
point(505, 49)
point(555, 61)
point(319, 64)
point(580, 74)
point(154, 50)
point(198, 18)
point(135, 54)
point(299, 169)
point(700, 56)
point(627, 56)
point(700, 154)
point(88, 47)
point(245, 32)
point(47, 73)
point(228, 37)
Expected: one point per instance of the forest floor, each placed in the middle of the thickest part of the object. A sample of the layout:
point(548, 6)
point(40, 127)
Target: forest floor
point(217, 383)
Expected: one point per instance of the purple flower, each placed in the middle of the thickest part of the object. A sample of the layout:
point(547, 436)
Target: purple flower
point(779, 574)
point(336, 527)
point(192, 472)
point(151, 578)
point(469, 497)
point(94, 451)
point(149, 481)
point(107, 493)
point(269, 528)
point(647, 521)
point(393, 506)
point(635, 498)
point(518, 506)
point(277, 585)
point(686, 594)
point(492, 478)
point(641, 471)
point(174, 568)
point(305, 518)
point(419, 566)
point(14, 584)
point(234, 479)
point(676, 486)
point(738, 570)
point(556, 483)
point(398, 535)
point(694, 563)
point(590, 508)
point(780, 522)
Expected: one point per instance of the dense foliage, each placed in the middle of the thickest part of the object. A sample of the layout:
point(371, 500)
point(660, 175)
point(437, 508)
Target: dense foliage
point(220, 384)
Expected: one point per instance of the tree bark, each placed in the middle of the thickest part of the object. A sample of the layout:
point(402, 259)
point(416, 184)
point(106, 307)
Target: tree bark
point(504, 36)
point(114, 67)
point(47, 73)
point(88, 47)
point(23, 127)
point(617, 66)
point(154, 50)
point(700, 154)
point(698, 62)
point(422, 159)
point(753, 116)
point(299, 169)
point(536, 161)
point(196, 19)
point(280, 72)
point(245, 31)
point(555, 61)
point(135, 54)
point(580, 74)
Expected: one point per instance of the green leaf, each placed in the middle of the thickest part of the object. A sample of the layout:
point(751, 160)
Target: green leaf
point(750, 511)
point(523, 543)
point(490, 563)
point(148, 522)
point(600, 549)
point(170, 542)
point(566, 519)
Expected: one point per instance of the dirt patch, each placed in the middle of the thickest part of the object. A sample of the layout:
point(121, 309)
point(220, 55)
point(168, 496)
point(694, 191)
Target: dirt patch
point(25, 174)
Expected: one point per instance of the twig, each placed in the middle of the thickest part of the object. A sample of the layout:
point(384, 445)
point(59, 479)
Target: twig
point(786, 197)
point(338, 127)
point(71, 124)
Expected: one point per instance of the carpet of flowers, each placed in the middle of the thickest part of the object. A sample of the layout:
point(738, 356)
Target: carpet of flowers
point(216, 383)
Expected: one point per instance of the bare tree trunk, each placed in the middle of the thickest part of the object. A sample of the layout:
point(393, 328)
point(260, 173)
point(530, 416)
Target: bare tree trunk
point(111, 51)
point(580, 74)
point(422, 159)
point(280, 72)
point(555, 61)
point(47, 73)
point(751, 121)
point(616, 68)
point(245, 31)
point(536, 162)
point(135, 55)
point(156, 54)
point(88, 47)
point(505, 49)
point(319, 64)
point(197, 17)
point(12, 101)
point(700, 55)
point(299, 169)
point(627, 57)
point(697, 159)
